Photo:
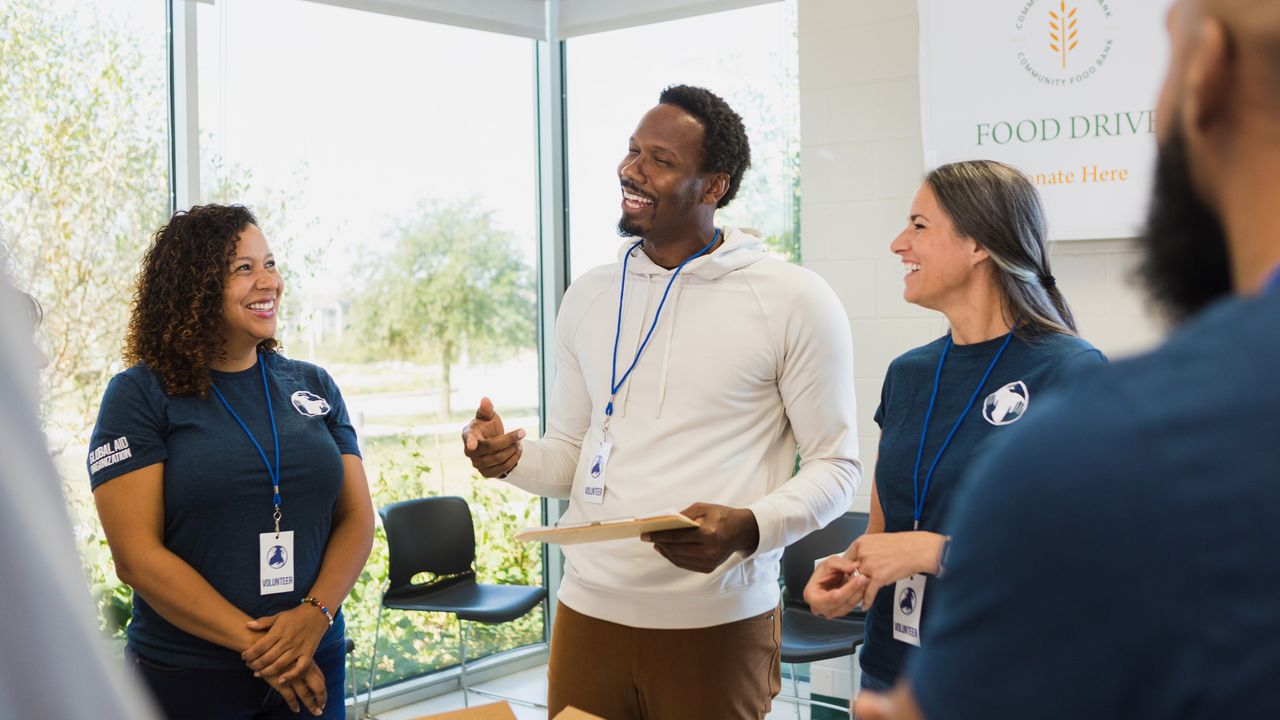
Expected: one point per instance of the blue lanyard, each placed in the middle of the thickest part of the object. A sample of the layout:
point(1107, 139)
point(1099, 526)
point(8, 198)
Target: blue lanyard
point(272, 471)
point(917, 491)
point(614, 383)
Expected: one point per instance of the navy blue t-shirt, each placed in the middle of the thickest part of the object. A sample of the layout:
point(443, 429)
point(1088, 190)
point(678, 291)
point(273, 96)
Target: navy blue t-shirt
point(217, 492)
point(1117, 556)
point(1025, 370)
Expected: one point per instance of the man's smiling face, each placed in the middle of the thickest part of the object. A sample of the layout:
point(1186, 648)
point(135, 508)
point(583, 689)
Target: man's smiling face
point(661, 175)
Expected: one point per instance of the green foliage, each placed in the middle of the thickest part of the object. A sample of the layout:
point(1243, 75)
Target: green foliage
point(413, 644)
point(235, 184)
point(769, 199)
point(83, 170)
point(453, 282)
point(83, 184)
point(114, 599)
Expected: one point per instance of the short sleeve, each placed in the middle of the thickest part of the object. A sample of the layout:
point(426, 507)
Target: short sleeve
point(884, 399)
point(1076, 365)
point(129, 433)
point(338, 420)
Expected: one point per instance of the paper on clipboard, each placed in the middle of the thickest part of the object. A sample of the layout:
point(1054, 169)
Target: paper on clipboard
point(601, 530)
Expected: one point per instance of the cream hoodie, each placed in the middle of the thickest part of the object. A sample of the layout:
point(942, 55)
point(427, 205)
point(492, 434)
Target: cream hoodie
point(751, 359)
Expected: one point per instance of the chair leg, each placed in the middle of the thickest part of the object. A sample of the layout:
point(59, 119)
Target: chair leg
point(373, 661)
point(462, 665)
point(464, 635)
point(795, 689)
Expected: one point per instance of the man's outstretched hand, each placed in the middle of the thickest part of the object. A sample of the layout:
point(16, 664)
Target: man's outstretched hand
point(492, 451)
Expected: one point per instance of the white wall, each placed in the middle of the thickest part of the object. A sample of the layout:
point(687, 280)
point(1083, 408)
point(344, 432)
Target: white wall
point(861, 161)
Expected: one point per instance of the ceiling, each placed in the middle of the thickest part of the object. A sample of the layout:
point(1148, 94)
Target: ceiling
point(528, 18)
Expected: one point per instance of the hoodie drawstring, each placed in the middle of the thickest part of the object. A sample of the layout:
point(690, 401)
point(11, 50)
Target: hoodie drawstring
point(666, 354)
point(621, 408)
point(615, 384)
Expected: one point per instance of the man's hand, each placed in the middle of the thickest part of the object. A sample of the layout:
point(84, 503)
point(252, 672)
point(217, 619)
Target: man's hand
point(889, 557)
point(306, 690)
point(492, 451)
point(289, 643)
point(836, 587)
point(722, 531)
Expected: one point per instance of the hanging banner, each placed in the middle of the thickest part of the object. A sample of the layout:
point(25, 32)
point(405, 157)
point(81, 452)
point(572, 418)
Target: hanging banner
point(1064, 90)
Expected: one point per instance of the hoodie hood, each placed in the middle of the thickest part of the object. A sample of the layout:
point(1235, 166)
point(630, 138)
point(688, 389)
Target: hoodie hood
point(741, 247)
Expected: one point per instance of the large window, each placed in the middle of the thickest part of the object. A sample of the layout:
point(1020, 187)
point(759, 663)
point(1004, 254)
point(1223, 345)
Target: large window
point(83, 183)
point(392, 164)
point(746, 56)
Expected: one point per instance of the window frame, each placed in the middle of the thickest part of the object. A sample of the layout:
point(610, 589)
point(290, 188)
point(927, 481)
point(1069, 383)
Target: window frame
point(560, 19)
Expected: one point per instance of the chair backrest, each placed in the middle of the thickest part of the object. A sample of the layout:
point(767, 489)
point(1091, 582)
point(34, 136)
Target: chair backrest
point(433, 535)
point(799, 558)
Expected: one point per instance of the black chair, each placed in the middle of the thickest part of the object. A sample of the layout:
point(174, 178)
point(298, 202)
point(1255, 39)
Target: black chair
point(806, 637)
point(435, 535)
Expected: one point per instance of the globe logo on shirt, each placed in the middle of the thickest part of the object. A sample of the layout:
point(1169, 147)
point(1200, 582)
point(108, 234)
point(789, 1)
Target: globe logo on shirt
point(595, 466)
point(277, 556)
point(309, 404)
point(1007, 405)
point(907, 600)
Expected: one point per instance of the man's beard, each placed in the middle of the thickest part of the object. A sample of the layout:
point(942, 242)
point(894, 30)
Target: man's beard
point(628, 228)
point(1185, 265)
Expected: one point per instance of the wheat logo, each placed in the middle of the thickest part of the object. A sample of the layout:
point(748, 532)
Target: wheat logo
point(1062, 36)
point(1076, 56)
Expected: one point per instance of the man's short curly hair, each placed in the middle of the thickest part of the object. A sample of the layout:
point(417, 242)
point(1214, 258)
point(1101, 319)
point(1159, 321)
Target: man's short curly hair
point(176, 324)
point(725, 147)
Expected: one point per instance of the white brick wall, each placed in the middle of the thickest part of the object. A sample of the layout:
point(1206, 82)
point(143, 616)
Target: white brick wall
point(861, 161)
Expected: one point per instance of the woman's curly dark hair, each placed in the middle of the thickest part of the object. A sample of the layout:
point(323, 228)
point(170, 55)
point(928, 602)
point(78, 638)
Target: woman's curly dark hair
point(176, 323)
point(725, 147)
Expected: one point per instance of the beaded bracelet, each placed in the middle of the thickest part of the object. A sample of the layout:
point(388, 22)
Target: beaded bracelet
point(308, 600)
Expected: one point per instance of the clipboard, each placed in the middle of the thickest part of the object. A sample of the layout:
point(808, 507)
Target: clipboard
point(601, 530)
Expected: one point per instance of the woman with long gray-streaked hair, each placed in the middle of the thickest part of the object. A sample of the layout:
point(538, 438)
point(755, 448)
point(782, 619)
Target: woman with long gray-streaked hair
point(974, 250)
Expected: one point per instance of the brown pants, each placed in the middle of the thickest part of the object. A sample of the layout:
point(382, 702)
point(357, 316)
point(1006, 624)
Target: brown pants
point(618, 672)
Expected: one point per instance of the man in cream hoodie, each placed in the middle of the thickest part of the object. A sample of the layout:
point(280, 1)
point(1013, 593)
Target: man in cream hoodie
point(689, 373)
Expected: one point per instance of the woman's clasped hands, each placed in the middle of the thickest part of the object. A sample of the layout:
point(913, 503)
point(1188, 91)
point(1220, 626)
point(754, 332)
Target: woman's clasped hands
point(283, 655)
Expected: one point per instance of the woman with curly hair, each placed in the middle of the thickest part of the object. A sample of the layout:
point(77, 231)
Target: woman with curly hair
point(229, 483)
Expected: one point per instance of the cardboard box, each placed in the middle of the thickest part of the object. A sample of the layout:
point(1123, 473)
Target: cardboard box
point(502, 711)
point(493, 711)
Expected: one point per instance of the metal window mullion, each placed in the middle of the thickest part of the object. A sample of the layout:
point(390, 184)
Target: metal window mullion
point(553, 247)
point(184, 106)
